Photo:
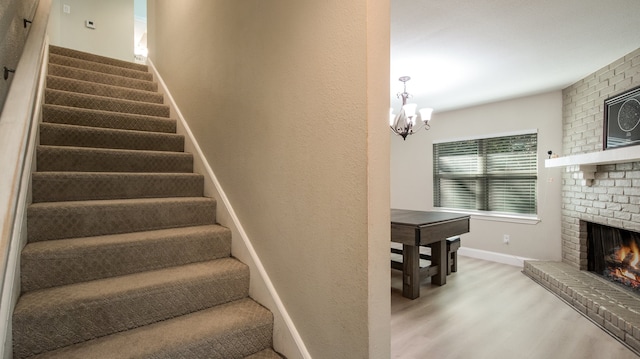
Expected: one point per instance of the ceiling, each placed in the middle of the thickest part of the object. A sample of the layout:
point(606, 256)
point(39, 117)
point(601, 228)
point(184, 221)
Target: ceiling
point(461, 53)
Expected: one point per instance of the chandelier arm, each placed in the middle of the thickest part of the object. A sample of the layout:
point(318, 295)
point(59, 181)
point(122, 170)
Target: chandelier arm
point(419, 127)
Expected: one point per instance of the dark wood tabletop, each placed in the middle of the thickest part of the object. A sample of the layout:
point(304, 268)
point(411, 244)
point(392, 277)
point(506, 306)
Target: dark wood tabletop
point(422, 218)
point(419, 228)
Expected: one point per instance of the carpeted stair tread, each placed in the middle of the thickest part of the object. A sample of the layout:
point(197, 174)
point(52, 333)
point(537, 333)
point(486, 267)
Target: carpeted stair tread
point(72, 99)
point(81, 159)
point(73, 85)
point(233, 330)
point(106, 119)
point(60, 220)
point(56, 317)
point(99, 67)
point(66, 261)
point(99, 77)
point(96, 58)
point(97, 137)
point(83, 186)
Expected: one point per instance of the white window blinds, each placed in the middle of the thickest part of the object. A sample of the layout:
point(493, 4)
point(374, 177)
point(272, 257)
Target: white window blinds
point(496, 174)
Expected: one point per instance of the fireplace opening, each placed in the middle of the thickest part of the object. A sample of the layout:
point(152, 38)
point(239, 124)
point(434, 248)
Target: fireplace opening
point(614, 253)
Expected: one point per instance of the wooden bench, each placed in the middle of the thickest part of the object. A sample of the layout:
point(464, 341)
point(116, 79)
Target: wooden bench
point(453, 244)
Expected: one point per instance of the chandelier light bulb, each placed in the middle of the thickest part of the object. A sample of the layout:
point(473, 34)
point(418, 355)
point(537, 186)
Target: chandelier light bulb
point(410, 109)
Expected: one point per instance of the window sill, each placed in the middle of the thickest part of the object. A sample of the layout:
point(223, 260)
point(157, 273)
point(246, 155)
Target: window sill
point(485, 216)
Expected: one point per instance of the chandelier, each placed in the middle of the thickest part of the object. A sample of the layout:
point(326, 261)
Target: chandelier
point(404, 123)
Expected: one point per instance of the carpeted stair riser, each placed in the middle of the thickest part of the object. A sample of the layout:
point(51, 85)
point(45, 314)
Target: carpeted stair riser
point(98, 67)
point(96, 58)
point(105, 119)
point(66, 261)
point(59, 220)
point(96, 137)
point(86, 186)
point(79, 159)
point(98, 77)
point(72, 85)
point(66, 315)
point(71, 99)
point(234, 330)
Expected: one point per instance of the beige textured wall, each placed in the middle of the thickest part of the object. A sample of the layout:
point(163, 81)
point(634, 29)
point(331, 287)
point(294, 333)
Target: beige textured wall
point(113, 35)
point(13, 34)
point(412, 171)
point(288, 100)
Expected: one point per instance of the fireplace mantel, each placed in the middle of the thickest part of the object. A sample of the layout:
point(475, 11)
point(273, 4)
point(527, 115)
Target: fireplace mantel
point(583, 166)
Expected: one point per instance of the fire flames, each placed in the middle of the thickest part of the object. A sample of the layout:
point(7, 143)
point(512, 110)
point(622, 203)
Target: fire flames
point(626, 266)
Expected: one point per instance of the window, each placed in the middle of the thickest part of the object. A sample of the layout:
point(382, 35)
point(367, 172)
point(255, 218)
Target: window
point(497, 174)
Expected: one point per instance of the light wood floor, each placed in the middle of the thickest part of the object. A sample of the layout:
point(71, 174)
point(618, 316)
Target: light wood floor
point(491, 310)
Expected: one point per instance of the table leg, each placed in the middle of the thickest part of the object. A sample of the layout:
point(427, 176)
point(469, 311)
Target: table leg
point(439, 259)
point(410, 271)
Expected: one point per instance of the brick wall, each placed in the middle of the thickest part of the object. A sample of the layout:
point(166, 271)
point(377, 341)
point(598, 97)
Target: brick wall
point(614, 197)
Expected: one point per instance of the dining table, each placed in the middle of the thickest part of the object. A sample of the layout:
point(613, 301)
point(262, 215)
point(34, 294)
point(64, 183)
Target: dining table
point(414, 229)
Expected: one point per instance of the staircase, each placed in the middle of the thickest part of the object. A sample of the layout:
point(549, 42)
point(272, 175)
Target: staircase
point(124, 257)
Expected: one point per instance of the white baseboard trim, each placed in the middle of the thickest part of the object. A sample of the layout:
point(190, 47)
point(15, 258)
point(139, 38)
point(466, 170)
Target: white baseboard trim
point(493, 256)
point(238, 229)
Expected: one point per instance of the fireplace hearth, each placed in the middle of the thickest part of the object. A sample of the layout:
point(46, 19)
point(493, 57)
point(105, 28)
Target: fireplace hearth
point(607, 289)
point(607, 304)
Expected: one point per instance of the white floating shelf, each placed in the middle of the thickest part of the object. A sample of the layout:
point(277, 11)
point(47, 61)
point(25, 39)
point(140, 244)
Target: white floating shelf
point(583, 166)
point(616, 155)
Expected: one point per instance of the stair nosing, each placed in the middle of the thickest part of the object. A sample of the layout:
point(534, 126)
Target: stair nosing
point(110, 99)
point(113, 130)
point(79, 186)
point(86, 159)
point(125, 115)
point(115, 150)
point(150, 83)
point(98, 288)
point(128, 174)
point(122, 88)
point(107, 202)
point(38, 248)
point(57, 49)
point(108, 67)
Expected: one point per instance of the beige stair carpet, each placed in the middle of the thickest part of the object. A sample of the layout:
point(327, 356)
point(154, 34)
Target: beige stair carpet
point(124, 256)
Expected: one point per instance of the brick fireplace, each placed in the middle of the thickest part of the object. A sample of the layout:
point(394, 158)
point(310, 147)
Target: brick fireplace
point(604, 191)
point(613, 197)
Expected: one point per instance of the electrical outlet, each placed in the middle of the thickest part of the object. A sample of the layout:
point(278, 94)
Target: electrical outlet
point(506, 239)
point(66, 9)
